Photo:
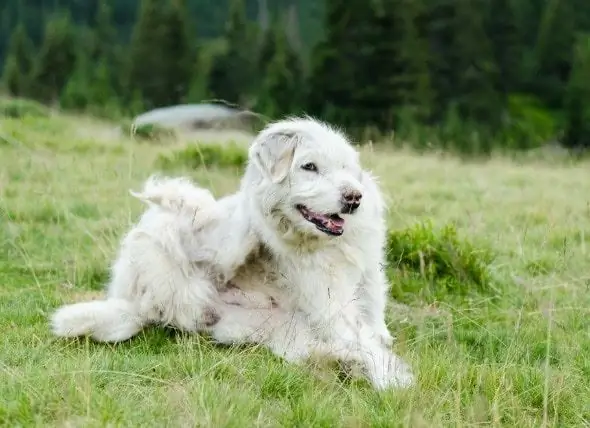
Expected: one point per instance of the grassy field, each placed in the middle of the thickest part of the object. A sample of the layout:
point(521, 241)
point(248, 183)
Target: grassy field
point(515, 354)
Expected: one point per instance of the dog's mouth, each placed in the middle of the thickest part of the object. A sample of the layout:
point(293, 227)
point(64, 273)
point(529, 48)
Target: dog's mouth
point(331, 224)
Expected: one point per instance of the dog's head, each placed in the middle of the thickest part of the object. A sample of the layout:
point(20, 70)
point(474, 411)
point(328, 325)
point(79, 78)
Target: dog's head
point(307, 175)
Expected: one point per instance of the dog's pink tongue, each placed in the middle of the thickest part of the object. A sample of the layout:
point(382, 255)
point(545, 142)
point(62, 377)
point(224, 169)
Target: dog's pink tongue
point(334, 224)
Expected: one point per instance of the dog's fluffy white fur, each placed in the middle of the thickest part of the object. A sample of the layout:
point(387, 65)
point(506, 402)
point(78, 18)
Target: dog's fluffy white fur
point(290, 236)
point(157, 276)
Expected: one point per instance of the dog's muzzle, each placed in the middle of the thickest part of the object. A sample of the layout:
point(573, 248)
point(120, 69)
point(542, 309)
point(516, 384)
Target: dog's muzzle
point(351, 200)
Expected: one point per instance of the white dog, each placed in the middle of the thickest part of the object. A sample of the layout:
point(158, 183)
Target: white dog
point(320, 219)
point(306, 232)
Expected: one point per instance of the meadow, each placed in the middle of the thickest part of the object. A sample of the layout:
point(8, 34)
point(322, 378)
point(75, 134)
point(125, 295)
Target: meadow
point(491, 290)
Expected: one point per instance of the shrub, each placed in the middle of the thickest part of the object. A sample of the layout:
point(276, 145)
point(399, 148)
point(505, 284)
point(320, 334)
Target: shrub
point(18, 108)
point(194, 156)
point(529, 124)
point(432, 264)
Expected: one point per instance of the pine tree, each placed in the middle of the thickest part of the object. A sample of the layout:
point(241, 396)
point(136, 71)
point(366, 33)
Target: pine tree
point(376, 95)
point(477, 78)
point(414, 85)
point(506, 44)
point(144, 73)
point(337, 60)
point(281, 91)
point(19, 62)
point(90, 88)
point(57, 58)
point(76, 93)
point(439, 32)
point(267, 49)
point(161, 57)
point(553, 51)
point(105, 35)
point(179, 47)
point(106, 48)
point(231, 76)
point(577, 102)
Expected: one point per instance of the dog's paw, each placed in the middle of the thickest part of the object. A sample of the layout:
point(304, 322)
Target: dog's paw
point(380, 333)
point(385, 337)
point(389, 371)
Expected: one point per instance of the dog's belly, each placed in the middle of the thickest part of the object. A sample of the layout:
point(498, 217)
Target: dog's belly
point(260, 274)
point(284, 280)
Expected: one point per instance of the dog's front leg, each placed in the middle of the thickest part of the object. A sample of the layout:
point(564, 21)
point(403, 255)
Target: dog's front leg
point(373, 301)
point(234, 247)
point(338, 322)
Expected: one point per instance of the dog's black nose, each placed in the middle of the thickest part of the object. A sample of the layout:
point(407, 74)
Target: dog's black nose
point(351, 200)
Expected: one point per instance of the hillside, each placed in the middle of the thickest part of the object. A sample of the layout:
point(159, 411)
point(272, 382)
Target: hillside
point(508, 348)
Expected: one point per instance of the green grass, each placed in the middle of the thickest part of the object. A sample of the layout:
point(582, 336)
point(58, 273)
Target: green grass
point(492, 299)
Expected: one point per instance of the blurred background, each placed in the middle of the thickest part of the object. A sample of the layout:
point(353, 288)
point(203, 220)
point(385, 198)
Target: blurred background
point(474, 76)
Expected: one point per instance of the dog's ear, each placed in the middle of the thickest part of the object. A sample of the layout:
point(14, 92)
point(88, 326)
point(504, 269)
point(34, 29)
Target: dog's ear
point(273, 154)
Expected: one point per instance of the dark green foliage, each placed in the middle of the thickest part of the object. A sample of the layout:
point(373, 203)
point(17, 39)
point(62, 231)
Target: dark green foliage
point(476, 83)
point(210, 14)
point(106, 49)
point(195, 156)
point(553, 51)
point(471, 76)
point(438, 22)
point(529, 125)
point(76, 94)
point(502, 28)
point(577, 129)
point(105, 34)
point(268, 47)
point(91, 85)
point(180, 49)
point(414, 83)
point(434, 264)
point(19, 63)
point(232, 72)
point(375, 93)
point(56, 59)
point(282, 87)
point(336, 60)
point(161, 54)
point(89, 88)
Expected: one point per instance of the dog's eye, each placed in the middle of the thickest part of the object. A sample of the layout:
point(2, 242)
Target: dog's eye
point(310, 167)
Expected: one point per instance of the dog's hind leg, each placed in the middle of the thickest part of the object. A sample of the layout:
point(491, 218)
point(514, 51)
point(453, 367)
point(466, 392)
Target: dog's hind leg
point(286, 334)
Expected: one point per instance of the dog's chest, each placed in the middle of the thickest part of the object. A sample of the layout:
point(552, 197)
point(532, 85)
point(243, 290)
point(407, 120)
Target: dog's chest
point(327, 268)
point(259, 272)
point(287, 276)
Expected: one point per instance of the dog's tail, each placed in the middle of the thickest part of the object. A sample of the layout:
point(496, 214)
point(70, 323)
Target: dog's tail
point(111, 320)
point(174, 194)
